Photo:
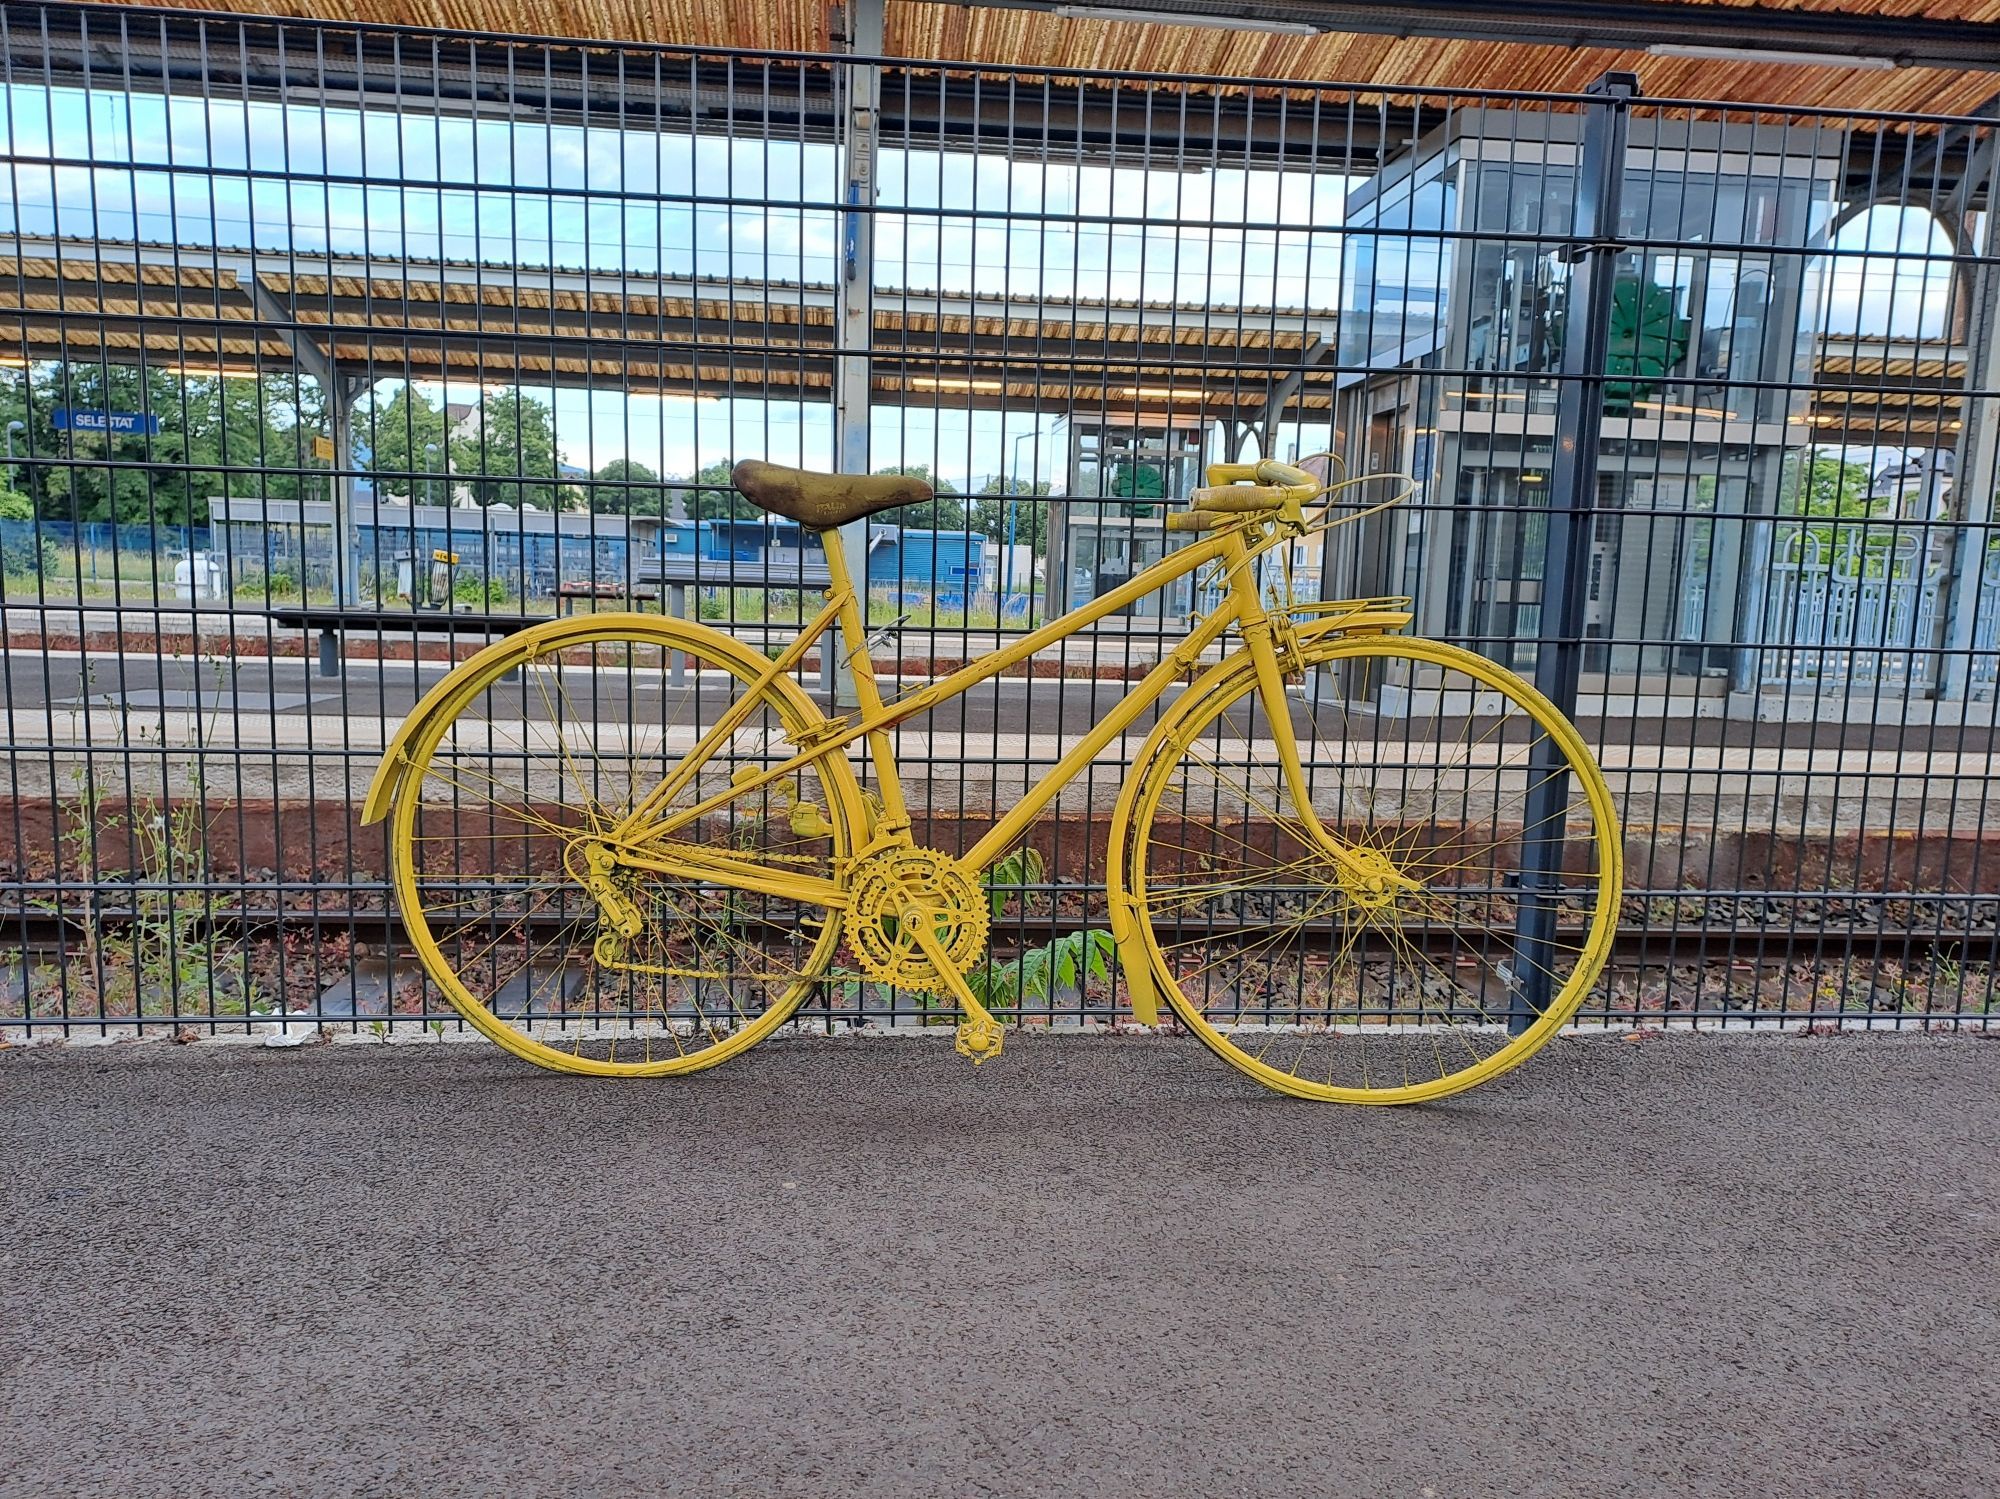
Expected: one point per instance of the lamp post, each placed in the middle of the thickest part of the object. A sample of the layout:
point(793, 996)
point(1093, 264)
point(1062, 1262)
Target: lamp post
point(1007, 557)
point(430, 468)
point(12, 428)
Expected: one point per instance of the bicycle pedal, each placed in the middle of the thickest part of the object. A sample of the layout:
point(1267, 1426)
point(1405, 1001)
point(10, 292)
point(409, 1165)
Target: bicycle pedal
point(980, 1040)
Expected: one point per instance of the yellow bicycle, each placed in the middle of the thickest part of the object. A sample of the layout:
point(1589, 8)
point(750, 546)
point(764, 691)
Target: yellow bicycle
point(631, 845)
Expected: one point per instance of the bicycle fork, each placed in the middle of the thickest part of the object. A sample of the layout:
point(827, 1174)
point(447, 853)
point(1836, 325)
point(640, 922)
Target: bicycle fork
point(1368, 877)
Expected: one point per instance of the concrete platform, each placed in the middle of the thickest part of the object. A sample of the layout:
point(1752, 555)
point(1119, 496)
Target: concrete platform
point(1678, 1266)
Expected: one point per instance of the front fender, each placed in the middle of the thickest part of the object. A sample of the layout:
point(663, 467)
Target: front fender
point(1133, 957)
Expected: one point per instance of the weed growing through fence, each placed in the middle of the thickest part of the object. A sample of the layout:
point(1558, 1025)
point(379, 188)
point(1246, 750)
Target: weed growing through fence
point(161, 953)
point(1071, 960)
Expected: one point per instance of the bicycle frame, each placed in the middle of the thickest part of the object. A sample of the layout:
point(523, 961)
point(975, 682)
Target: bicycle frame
point(1234, 548)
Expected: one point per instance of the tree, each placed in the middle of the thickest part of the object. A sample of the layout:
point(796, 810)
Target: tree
point(395, 434)
point(508, 452)
point(1030, 519)
point(717, 500)
point(1829, 485)
point(629, 488)
point(946, 512)
point(218, 435)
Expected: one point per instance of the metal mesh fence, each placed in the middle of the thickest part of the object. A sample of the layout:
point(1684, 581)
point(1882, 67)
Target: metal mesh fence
point(328, 355)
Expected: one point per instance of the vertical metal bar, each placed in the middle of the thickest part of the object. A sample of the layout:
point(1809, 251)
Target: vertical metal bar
point(854, 330)
point(1593, 256)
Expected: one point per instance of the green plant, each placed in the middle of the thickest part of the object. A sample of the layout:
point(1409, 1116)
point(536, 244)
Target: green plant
point(159, 950)
point(1014, 871)
point(1072, 959)
point(483, 592)
point(26, 558)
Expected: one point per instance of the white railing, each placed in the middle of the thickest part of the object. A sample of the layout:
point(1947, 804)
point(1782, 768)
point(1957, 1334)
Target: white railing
point(1853, 603)
point(1986, 627)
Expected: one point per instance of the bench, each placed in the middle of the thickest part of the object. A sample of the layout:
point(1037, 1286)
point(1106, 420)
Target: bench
point(678, 574)
point(331, 620)
point(567, 593)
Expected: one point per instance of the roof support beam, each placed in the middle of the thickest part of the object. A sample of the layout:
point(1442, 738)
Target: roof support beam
point(340, 393)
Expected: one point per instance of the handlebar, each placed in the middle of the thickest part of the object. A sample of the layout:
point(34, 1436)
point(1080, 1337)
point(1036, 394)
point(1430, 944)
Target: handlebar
point(1238, 488)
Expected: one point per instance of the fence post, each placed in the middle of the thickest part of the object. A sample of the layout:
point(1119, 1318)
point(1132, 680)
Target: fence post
point(853, 376)
point(1593, 255)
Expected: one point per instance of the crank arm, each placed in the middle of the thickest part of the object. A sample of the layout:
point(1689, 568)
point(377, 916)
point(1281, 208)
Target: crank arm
point(979, 1035)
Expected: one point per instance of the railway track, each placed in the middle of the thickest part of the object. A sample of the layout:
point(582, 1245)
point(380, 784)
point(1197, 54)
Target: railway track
point(50, 932)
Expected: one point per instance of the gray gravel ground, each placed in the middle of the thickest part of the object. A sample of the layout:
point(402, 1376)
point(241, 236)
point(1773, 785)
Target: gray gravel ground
point(1685, 1266)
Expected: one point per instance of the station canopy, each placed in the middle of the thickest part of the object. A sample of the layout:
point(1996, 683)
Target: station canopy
point(1921, 56)
point(431, 318)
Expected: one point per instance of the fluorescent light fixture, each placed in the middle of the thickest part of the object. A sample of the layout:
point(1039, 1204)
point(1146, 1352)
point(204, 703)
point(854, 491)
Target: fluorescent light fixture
point(1162, 393)
point(1182, 18)
point(1707, 412)
point(926, 382)
point(1760, 54)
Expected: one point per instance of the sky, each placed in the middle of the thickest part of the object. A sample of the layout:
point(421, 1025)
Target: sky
point(281, 178)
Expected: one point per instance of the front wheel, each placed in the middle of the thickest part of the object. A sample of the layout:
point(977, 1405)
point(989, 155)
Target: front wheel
point(522, 763)
point(1313, 973)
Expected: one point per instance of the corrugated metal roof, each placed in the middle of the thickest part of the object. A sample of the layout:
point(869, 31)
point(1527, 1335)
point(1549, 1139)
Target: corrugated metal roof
point(1012, 38)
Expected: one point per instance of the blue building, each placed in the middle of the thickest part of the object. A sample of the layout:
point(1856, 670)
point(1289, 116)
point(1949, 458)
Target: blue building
point(527, 551)
point(939, 567)
point(916, 566)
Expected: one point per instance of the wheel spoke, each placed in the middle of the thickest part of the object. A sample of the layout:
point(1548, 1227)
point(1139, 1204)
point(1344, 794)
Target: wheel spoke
point(491, 880)
point(1288, 960)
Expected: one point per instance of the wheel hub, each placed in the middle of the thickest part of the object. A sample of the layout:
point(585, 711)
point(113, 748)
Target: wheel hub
point(1373, 881)
point(888, 889)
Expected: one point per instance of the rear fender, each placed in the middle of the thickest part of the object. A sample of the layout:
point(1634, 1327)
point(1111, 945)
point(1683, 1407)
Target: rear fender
point(396, 757)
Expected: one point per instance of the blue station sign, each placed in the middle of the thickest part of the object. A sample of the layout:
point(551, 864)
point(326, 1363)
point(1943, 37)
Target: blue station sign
point(113, 423)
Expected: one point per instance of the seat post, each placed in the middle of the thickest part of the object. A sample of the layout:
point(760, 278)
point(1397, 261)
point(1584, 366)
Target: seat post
point(860, 670)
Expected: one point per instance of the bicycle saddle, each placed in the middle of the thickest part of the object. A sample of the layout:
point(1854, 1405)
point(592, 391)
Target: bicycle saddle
point(823, 501)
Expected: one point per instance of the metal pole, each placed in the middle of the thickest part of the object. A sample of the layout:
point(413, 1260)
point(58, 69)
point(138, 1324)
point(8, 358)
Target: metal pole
point(1977, 466)
point(1007, 557)
point(340, 422)
point(1593, 256)
point(852, 380)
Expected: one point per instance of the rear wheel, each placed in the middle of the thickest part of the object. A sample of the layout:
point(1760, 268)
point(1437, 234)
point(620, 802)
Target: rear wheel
point(1327, 985)
point(538, 749)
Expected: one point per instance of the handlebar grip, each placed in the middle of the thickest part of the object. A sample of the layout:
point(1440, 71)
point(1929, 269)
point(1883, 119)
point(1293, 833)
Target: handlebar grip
point(1235, 499)
point(1231, 473)
point(1270, 471)
point(1198, 520)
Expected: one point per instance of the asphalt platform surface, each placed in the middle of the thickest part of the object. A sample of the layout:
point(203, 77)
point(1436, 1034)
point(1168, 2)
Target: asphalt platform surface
point(1675, 1266)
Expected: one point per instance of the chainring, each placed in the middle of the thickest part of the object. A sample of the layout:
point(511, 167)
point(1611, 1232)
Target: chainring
point(883, 887)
